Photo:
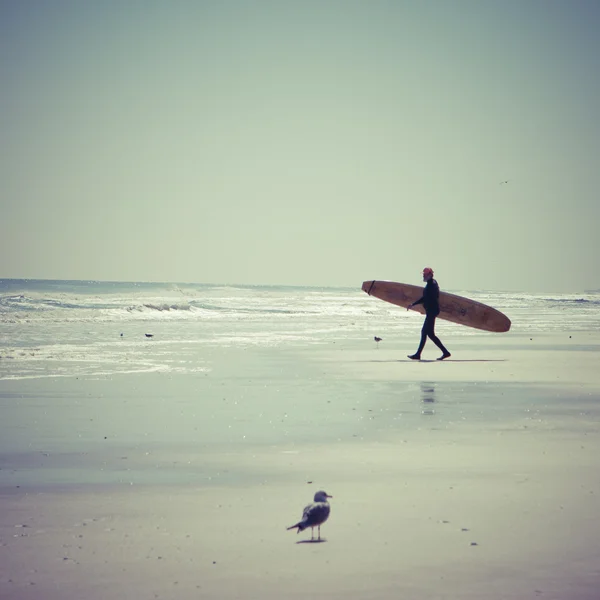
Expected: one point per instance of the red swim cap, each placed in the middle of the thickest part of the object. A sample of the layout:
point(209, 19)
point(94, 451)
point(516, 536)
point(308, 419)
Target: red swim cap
point(427, 271)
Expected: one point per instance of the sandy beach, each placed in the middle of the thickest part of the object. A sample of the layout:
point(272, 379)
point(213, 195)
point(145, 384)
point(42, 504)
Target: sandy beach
point(472, 478)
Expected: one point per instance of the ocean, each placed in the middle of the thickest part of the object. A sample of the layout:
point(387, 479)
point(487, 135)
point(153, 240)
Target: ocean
point(245, 390)
point(96, 328)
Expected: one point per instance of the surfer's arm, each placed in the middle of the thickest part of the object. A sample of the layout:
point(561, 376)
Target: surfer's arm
point(419, 301)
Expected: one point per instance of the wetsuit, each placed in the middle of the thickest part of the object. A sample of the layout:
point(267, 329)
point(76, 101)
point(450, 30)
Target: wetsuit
point(431, 302)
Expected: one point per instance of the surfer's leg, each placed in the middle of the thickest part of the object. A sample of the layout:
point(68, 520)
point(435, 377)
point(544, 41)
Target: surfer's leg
point(436, 340)
point(417, 354)
point(424, 331)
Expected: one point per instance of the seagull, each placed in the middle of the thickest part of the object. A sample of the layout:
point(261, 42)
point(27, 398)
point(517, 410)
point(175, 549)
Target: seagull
point(314, 514)
point(377, 339)
point(149, 335)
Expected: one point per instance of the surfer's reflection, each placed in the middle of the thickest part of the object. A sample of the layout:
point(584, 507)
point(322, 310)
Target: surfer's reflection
point(427, 398)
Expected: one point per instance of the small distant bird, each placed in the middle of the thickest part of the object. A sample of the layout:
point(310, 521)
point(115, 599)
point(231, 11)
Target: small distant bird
point(377, 339)
point(503, 182)
point(149, 335)
point(314, 515)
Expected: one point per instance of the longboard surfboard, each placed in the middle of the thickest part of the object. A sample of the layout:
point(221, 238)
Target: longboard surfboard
point(452, 308)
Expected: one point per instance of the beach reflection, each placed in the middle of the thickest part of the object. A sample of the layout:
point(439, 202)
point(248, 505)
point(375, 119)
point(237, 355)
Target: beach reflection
point(428, 398)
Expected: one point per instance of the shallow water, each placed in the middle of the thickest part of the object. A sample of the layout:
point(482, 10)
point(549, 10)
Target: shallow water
point(87, 397)
point(64, 329)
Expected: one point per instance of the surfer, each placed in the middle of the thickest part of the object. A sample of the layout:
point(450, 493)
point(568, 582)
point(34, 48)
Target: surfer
point(430, 301)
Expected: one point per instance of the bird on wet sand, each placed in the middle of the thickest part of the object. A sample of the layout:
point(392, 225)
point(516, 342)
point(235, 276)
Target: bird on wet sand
point(377, 339)
point(149, 335)
point(314, 515)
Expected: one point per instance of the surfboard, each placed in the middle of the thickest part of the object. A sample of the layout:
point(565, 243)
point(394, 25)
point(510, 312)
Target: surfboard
point(452, 307)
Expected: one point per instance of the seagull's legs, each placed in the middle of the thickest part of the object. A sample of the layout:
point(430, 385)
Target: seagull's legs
point(312, 533)
point(319, 532)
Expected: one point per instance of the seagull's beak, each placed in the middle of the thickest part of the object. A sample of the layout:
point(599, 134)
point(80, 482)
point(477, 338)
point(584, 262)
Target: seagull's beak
point(328, 496)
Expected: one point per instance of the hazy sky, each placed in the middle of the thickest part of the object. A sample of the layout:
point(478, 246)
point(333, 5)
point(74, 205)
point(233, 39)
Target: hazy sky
point(301, 142)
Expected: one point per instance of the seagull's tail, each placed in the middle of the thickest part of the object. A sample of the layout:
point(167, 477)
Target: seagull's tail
point(298, 525)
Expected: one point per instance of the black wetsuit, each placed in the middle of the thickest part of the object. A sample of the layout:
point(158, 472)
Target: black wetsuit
point(431, 302)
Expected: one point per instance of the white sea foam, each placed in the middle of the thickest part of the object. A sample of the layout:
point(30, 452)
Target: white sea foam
point(62, 328)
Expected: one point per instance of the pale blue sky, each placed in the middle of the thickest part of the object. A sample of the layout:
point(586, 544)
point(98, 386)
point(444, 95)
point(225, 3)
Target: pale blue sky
point(309, 142)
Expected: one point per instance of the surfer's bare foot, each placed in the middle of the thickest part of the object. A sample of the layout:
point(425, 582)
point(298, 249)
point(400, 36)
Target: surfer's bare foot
point(445, 355)
point(414, 356)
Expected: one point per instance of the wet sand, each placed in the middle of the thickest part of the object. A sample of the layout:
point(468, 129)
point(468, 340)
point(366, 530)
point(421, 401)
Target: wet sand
point(472, 478)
